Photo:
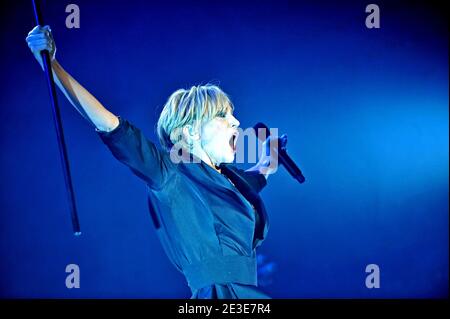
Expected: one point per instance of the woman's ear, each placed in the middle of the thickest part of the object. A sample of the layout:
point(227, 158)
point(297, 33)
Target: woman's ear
point(190, 132)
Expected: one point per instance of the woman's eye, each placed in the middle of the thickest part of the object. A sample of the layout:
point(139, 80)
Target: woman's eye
point(221, 114)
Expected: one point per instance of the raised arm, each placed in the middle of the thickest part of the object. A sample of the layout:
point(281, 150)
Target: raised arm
point(126, 142)
point(40, 38)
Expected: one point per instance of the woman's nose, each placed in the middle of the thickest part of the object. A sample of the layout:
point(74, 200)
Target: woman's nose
point(234, 122)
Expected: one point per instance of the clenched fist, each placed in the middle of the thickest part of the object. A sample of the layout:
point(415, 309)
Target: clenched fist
point(39, 39)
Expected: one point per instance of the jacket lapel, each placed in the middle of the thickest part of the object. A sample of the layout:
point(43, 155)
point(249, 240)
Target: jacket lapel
point(245, 189)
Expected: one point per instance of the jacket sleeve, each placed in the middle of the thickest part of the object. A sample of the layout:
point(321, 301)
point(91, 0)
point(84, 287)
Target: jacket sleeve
point(129, 145)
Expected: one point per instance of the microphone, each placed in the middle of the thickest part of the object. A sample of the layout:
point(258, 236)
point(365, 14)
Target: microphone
point(283, 156)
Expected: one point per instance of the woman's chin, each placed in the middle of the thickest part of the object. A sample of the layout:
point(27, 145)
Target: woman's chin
point(229, 158)
point(225, 157)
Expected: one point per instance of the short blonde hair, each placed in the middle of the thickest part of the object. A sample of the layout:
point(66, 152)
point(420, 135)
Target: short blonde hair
point(193, 107)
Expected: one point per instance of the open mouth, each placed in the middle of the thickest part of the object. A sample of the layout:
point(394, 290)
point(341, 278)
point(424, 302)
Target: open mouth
point(233, 140)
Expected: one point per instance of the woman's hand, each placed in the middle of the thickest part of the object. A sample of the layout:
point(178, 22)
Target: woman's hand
point(268, 161)
point(39, 39)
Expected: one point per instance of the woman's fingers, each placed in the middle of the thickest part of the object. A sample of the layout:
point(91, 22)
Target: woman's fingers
point(279, 142)
point(38, 29)
point(39, 39)
point(35, 30)
point(40, 35)
point(33, 42)
point(37, 36)
point(39, 45)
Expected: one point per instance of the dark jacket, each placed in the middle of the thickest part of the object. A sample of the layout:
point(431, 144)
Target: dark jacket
point(208, 226)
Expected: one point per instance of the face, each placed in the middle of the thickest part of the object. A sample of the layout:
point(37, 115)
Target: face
point(218, 138)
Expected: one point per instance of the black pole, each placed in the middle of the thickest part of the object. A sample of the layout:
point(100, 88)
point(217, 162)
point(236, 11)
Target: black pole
point(58, 125)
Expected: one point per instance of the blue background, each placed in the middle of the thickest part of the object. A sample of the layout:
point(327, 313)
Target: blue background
point(366, 112)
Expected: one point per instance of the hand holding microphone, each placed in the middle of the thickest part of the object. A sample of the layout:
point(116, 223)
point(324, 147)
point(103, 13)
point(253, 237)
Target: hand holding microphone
point(279, 151)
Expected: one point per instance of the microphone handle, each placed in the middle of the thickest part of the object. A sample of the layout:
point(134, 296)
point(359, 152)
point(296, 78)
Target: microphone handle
point(290, 166)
